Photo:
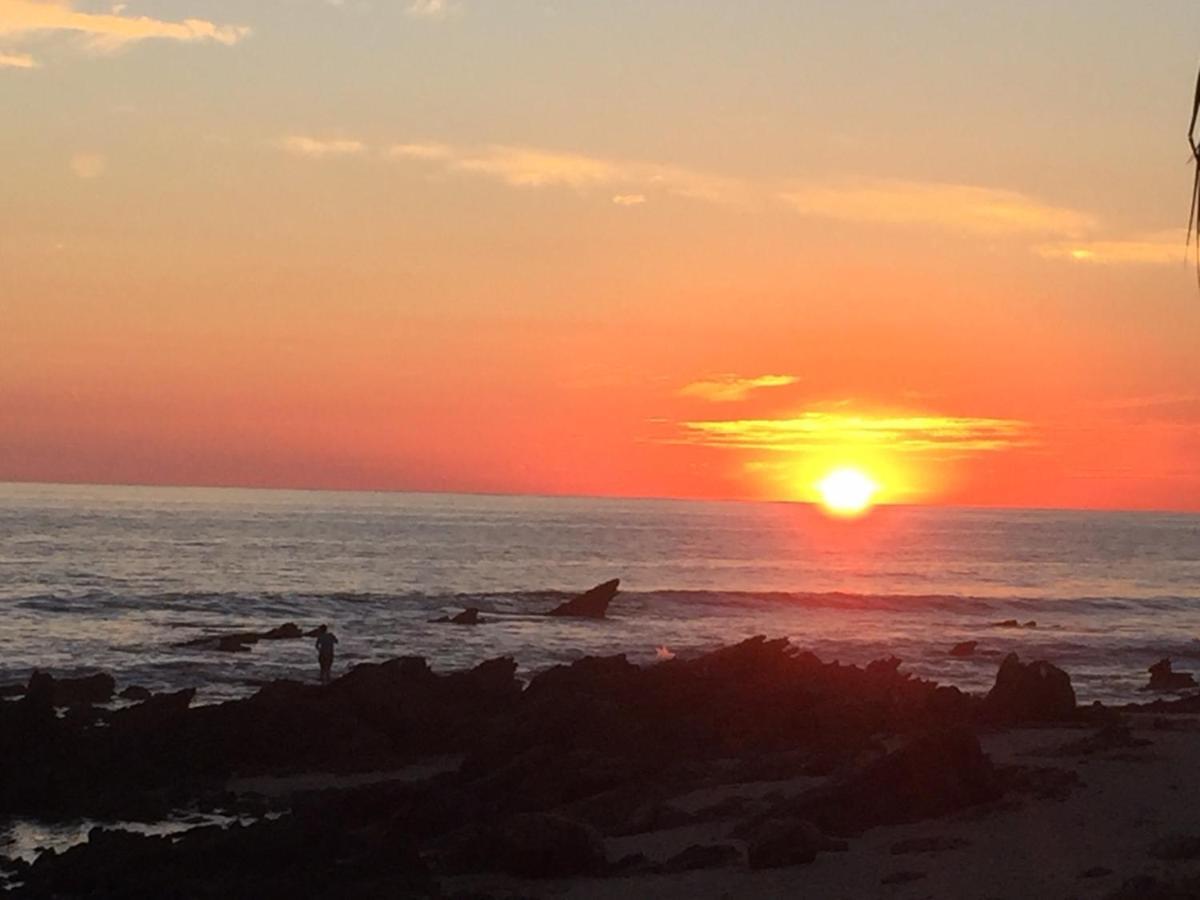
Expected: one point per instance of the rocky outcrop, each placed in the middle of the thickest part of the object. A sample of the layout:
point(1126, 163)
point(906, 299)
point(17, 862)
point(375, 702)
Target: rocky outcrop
point(964, 649)
point(782, 842)
point(241, 642)
point(590, 605)
point(469, 616)
point(533, 845)
point(1036, 691)
point(1162, 678)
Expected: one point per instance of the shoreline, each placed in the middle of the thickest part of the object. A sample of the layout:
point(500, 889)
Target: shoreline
point(754, 770)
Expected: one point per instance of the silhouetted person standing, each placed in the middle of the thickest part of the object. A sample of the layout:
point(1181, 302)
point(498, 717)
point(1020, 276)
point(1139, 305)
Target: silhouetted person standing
point(325, 642)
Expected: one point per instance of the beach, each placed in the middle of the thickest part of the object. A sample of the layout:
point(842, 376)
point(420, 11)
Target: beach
point(746, 704)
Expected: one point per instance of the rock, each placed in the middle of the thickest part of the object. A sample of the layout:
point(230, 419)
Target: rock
point(11, 690)
point(286, 632)
point(466, 617)
point(1163, 679)
point(787, 842)
point(1038, 691)
point(135, 692)
point(1013, 623)
point(241, 642)
point(1095, 872)
point(934, 774)
point(902, 877)
point(530, 845)
point(591, 605)
point(702, 856)
point(1176, 847)
point(928, 845)
point(98, 688)
point(966, 648)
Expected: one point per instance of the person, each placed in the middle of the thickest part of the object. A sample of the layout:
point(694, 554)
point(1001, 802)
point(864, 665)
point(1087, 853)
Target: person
point(325, 642)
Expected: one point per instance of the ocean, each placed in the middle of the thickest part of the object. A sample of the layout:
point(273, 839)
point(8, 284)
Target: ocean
point(115, 578)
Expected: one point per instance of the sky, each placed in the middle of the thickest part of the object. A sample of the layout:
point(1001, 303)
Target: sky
point(685, 248)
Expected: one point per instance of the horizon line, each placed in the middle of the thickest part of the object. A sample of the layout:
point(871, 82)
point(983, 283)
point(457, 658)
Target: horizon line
point(583, 496)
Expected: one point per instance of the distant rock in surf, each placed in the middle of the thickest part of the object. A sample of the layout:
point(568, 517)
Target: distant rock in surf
point(966, 648)
point(1013, 623)
point(469, 616)
point(591, 605)
point(1163, 679)
point(241, 642)
point(1035, 691)
point(136, 693)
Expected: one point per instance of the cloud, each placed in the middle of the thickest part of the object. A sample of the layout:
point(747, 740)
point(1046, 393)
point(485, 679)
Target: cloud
point(88, 165)
point(23, 20)
point(959, 207)
point(532, 167)
point(1158, 248)
point(315, 148)
point(17, 61)
point(427, 9)
point(814, 430)
point(731, 388)
point(629, 199)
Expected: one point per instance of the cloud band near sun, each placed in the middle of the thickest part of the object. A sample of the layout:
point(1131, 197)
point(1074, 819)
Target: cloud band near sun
point(731, 388)
point(816, 430)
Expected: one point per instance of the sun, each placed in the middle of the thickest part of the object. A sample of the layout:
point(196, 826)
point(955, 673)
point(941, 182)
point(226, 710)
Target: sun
point(847, 491)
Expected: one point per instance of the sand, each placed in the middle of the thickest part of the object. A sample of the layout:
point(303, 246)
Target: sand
point(1022, 847)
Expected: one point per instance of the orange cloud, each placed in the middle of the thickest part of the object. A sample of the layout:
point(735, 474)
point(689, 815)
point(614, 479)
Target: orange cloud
point(817, 430)
point(959, 207)
point(315, 148)
point(1158, 248)
point(731, 388)
point(22, 19)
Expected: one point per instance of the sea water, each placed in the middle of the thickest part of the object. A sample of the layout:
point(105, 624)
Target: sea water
point(116, 578)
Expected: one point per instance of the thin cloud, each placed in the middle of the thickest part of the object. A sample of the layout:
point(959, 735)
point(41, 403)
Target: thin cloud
point(814, 430)
point(532, 167)
point(17, 61)
point(22, 20)
point(960, 207)
point(316, 148)
point(1158, 248)
point(731, 388)
point(629, 199)
point(428, 9)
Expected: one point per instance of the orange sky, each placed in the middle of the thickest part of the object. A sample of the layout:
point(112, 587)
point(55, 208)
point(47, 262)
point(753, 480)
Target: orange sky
point(669, 250)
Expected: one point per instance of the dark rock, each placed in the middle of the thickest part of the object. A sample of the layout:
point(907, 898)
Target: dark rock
point(532, 845)
point(135, 692)
point(928, 845)
point(287, 632)
point(902, 877)
point(1095, 872)
point(1176, 847)
point(1013, 623)
point(591, 605)
point(702, 856)
point(241, 642)
point(787, 842)
point(466, 617)
point(966, 648)
point(11, 690)
point(1037, 691)
point(43, 688)
point(1163, 679)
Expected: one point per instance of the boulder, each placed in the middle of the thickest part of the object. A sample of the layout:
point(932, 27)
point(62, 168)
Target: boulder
point(136, 693)
point(702, 856)
point(98, 688)
point(1036, 691)
point(1163, 679)
point(469, 616)
point(966, 648)
point(787, 842)
point(591, 605)
point(530, 845)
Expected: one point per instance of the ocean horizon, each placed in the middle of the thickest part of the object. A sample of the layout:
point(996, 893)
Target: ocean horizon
point(117, 577)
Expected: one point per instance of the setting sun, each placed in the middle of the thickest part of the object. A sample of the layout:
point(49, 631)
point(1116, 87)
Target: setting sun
point(847, 491)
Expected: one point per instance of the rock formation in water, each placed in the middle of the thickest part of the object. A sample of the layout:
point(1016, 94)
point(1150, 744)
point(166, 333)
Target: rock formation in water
point(469, 616)
point(965, 648)
point(1162, 678)
point(590, 605)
